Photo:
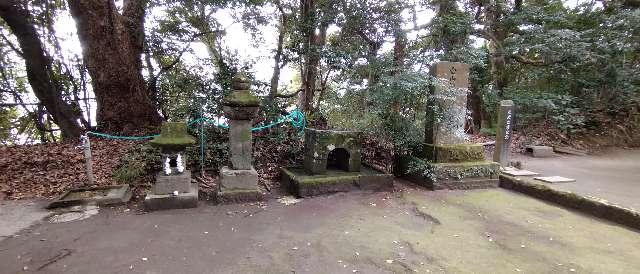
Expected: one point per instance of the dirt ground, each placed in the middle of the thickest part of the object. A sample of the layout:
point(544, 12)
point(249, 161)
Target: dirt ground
point(613, 175)
point(412, 230)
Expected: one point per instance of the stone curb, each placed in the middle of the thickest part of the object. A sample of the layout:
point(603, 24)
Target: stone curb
point(585, 204)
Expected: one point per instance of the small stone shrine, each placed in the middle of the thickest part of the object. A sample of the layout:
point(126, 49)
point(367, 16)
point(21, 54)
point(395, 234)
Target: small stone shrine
point(332, 163)
point(445, 160)
point(173, 187)
point(239, 182)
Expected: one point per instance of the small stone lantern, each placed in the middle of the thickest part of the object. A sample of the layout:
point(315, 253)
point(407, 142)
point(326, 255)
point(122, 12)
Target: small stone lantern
point(173, 187)
point(239, 182)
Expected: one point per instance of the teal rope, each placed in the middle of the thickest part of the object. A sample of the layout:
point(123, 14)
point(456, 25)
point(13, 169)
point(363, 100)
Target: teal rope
point(296, 118)
point(134, 138)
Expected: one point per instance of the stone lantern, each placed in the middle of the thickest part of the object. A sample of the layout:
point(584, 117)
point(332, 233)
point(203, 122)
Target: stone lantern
point(239, 182)
point(173, 187)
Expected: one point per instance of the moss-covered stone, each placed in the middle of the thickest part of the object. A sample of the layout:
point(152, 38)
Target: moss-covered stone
point(464, 175)
point(453, 153)
point(173, 136)
point(304, 185)
point(319, 144)
point(241, 98)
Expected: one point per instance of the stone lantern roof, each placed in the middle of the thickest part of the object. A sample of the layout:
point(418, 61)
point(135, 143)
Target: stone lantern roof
point(241, 96)
point(173, 136)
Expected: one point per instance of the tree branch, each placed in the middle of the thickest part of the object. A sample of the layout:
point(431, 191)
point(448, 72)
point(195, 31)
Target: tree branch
point(11, 45)
point(288, 95)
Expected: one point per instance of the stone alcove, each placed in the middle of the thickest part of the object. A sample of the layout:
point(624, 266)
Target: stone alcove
point(331, 149)
point(338, 159)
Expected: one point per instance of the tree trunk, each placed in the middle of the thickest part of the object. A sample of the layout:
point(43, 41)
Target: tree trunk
point(313, 44)
point(112, 47)
point(39, 71)
point(275, 77)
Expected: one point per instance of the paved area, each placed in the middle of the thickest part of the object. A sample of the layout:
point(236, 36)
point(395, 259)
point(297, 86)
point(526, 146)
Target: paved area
point(18, 215)
point(413, 230)
point(613, 175)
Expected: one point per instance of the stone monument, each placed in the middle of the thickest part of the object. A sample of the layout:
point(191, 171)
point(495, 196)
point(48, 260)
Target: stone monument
point(332, 163)
point(446, 160)
point(504, 132)
point(173, 187)
point(239, 182)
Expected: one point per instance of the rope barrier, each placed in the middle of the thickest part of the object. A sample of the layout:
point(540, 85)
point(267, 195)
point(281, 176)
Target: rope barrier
point(296, 118)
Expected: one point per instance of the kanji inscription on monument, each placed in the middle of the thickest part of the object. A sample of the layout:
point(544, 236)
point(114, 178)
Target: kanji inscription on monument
point(447, 114)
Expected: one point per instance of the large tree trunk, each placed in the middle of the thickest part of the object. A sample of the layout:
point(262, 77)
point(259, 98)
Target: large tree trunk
point(312, 47)
point(39, 70)
point(112, 47)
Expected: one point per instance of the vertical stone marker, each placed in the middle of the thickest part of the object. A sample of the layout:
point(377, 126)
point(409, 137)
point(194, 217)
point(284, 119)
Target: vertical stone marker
point(239, 183)
point(445, 124)
point(504, 132)
point(446, 160)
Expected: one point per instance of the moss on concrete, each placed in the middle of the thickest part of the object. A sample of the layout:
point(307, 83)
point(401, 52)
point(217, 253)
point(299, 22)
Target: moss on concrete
point(453, 153)
point(598, 208)
point(302, 184)
point(466, 170)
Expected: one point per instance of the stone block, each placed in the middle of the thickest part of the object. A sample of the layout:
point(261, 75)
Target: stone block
point(446, 114)
point(453, 153)
point(167, 184)
point(239, 112)
point(238, 179)
point(465, 175)
point(240, 144)
point(540, 151)
point(100, 195)
point(169, 201)
point(338, 147)
point(302, 184)
point(239, 196)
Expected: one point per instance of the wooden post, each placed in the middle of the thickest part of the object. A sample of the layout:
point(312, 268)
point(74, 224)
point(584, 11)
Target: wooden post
point(503, 132)
point(88, 162)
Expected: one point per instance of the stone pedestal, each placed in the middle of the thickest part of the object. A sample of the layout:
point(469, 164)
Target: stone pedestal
point(172, 191)
point(239, 182)
point(445, 160)
point(238, 185)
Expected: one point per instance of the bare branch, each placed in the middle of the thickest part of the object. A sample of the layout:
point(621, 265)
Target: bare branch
point(11, 45)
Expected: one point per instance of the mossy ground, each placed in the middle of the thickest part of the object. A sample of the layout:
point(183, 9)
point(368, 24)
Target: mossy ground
point(484, 231)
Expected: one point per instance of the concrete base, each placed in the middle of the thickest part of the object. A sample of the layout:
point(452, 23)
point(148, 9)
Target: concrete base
point(101, 196)
point(467, 175)
point(230, 196)
point(238, 186)
point(301, 184)
point(169, 201)
point(167, 184)
point(238, 178)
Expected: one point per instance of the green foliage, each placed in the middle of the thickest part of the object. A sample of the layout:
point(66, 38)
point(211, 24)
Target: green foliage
point(140, 160)
point(395, 108)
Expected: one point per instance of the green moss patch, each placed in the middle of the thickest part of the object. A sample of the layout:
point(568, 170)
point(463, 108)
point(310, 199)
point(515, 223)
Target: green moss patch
point(241, 98)
point(173, 135)
point(453, 153)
